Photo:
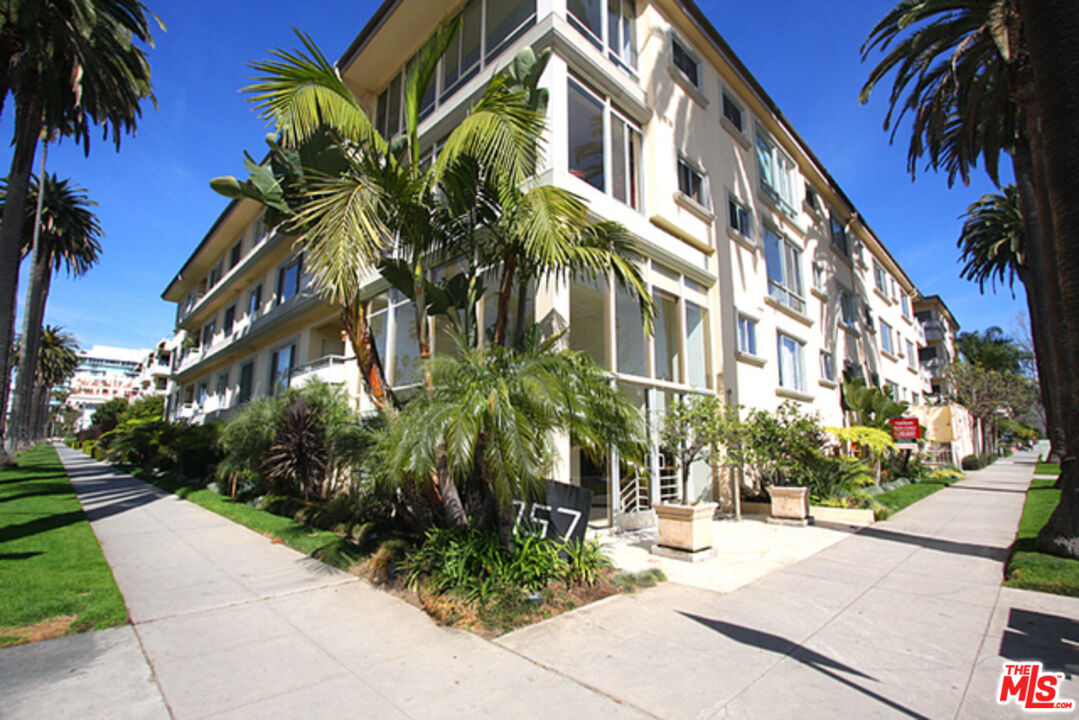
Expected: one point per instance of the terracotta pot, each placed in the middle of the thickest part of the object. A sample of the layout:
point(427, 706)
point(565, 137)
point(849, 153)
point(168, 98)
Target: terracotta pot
point(789, 502)
point(685, 527)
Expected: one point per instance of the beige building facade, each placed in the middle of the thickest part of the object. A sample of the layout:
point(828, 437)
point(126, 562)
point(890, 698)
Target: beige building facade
point(768, 283)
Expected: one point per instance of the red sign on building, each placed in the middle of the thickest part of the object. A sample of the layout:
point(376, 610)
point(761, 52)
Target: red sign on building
point(906, 428)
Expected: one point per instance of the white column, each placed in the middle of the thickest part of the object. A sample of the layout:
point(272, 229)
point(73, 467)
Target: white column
point(556, 136)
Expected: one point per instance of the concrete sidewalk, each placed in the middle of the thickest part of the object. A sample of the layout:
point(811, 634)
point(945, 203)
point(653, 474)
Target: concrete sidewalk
point(227, 624)
point(907, 618)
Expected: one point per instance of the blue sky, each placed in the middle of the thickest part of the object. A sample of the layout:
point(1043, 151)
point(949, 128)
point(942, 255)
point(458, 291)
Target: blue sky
point(156, 204)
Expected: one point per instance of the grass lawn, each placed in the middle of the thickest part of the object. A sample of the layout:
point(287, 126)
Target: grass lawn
point(896, 500)
point(53, 578)
point(1030, 569)
point(1044, 468)
point(328, 547)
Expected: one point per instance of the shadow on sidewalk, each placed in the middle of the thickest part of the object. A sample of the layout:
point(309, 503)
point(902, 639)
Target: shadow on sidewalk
point(990, 552)
point(1052, 639)
point(799, 653)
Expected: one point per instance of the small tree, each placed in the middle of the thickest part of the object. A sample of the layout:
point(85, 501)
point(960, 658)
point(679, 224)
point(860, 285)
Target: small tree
point(698, 428)
point(784, 445)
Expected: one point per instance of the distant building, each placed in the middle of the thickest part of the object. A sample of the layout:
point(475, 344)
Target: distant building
point(104, 373)
point(940, 329)
point(155, 368)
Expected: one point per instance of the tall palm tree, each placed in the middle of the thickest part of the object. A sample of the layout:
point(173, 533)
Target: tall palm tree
point(970, 76)
point(70, 65)
point(67, 237)
point(58, 357)
point(1052, 34)
point(992, 350)
point(993, 245)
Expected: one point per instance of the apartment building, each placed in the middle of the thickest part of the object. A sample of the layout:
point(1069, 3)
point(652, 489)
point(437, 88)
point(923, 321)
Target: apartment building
point(940, 329)
point(155, 369)
point(769, 285)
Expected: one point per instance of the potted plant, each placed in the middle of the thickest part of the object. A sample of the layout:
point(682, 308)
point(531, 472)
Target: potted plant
point(785, 447)
point(693, 430)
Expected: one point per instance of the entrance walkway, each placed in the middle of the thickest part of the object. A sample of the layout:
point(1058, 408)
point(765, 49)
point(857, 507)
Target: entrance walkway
point(907, 618)
point(234, 626)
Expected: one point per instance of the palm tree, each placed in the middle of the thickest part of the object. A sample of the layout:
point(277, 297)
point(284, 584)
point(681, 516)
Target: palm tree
point(974, 73)
point(70, 65)
point(488, 419)
point(992, 350)
point(993, 244)
point(1052, 34)
point(57, 360)
point(67, 237)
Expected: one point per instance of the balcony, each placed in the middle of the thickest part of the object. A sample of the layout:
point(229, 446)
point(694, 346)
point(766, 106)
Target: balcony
point(328, 369)
point(246, 332)
point(934, 330)
point(210, 295)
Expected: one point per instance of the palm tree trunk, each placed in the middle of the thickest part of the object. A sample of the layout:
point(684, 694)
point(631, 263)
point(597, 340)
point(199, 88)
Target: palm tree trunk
point(37, 293)
point(37, 411)
point(358, 332)
point(1051, 30)
point(28, 118)
point(1041, 289)
point(509, 269)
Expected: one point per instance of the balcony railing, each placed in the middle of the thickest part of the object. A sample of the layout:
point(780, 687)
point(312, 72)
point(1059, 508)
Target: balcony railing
point(933, 330)
point(328, 369)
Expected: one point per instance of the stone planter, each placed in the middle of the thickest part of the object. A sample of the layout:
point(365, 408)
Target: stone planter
point(685, 527)
point(789, 502)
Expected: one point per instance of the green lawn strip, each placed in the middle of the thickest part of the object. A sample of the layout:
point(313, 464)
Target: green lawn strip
point(52, 571)
point(328, 547)
point(1033, 570)
point(896, 500)
point(1044, 468)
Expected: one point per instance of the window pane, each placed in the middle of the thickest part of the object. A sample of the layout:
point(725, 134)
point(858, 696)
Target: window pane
point(773, 257)
point(471, 32)
point(667, 359)
point(634, 154)
point(629, 331)
point(586, 16)
point(618, 159)
point(587, 331)
point(503, 19)
point(406, 353)
point(684, 62)
point(586, 137)
point(696, 333)
point(393, 117)
point(732, 112)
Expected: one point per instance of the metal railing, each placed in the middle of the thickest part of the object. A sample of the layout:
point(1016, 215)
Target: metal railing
point(328, 368)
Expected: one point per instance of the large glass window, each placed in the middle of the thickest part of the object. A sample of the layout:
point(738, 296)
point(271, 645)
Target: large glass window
point(592, 122)
point(738, 216)
point(784, 262)
point(777, 172)
point(230, 318)
point(208, 333)
point(505, 20)
point(668, 360)
point(696, 344)
point(629, 333)
point(462, 59)
point(613, 30)
point(406, 342)
point(732, 110)
point(586, 137)
point(587, 331)
point(791, 363)
point(827, 366)
point(880, 277)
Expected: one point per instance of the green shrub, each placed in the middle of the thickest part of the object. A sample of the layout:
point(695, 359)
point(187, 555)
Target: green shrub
point(585, 561)
point(836, 478)
point(973, 462)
